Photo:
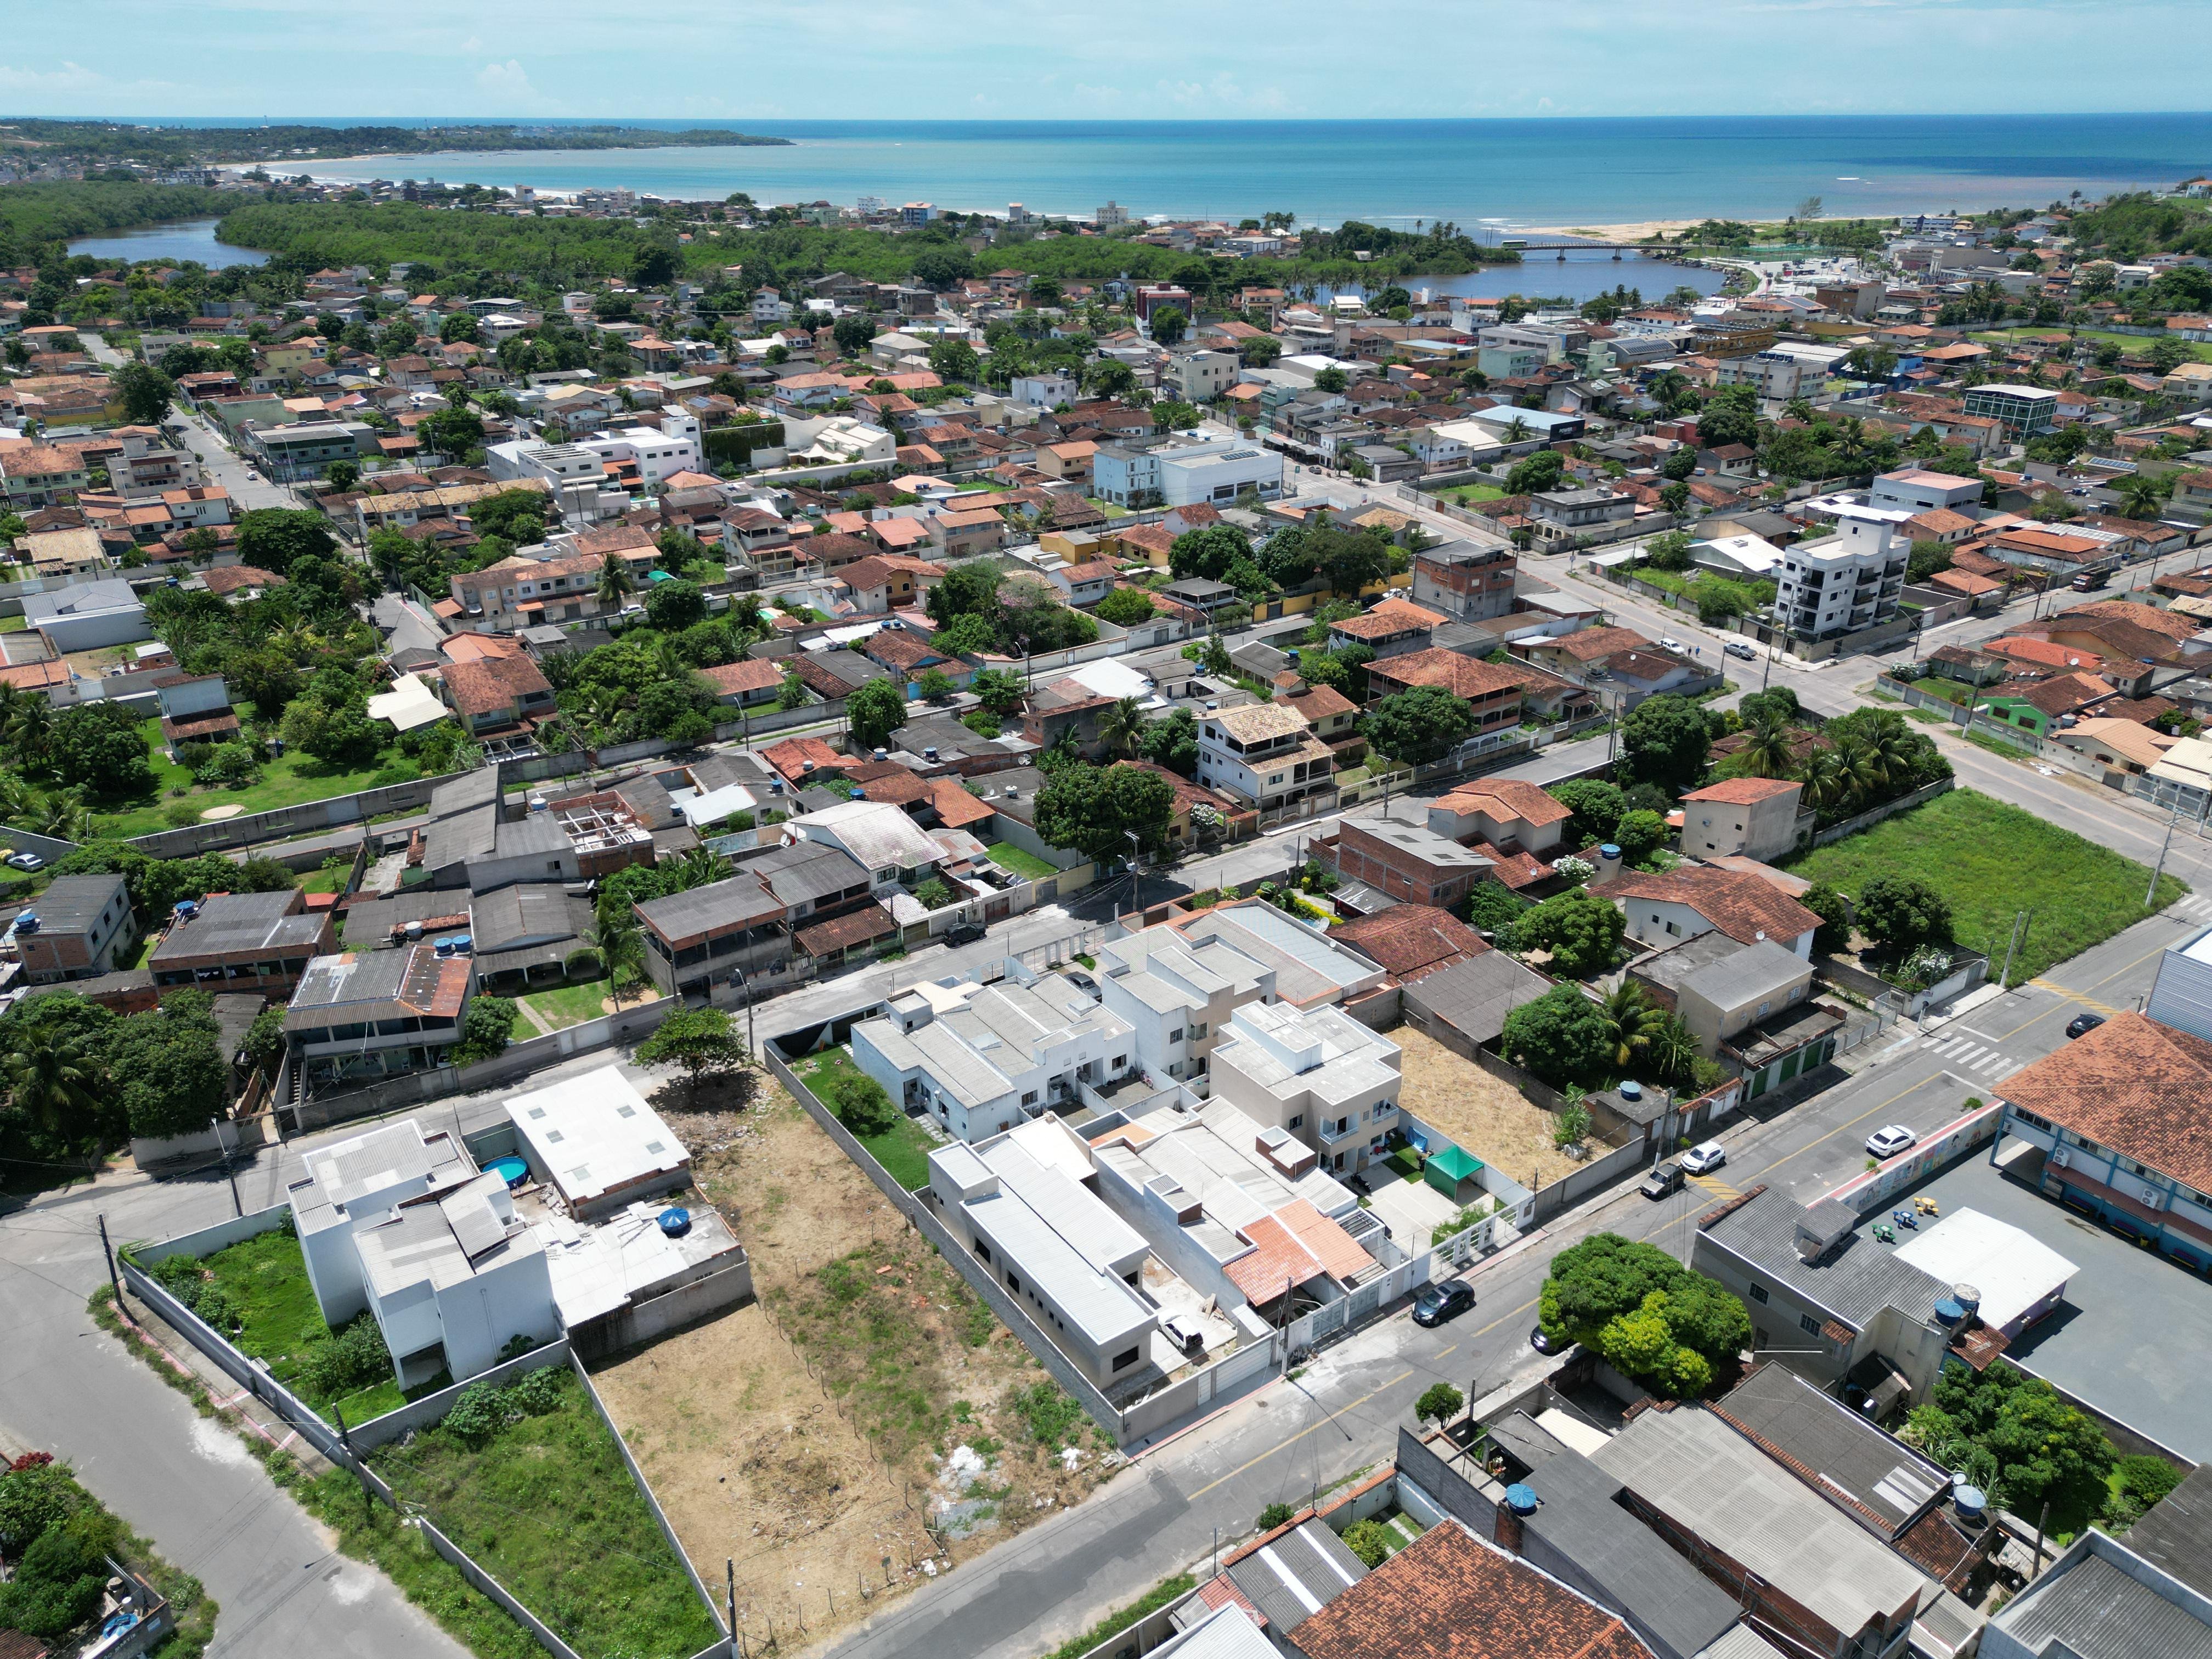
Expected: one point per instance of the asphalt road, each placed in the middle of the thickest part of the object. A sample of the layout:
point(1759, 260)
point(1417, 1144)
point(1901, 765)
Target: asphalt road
point(221, 465)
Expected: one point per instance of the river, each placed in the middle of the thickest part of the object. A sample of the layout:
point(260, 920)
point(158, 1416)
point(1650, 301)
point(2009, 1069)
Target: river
point(177, 241)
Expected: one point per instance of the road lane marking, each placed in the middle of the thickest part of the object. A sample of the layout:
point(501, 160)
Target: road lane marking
point(1872, 1111)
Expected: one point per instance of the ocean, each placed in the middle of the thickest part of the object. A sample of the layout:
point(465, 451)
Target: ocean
point(1491, 175)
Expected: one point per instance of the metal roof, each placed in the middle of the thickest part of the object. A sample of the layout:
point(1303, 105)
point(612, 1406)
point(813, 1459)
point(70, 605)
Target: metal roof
point(1748, 973)
point(1474, 996)
point(71, 904)
point(2176, 1536)
point(1717, 1485)
point(242, 922)
point(1855, 1280)
point(594, 1133)
point(1845, 1454)
point(1297, 1575)
point(1629, 1568)
point(2094, 1609)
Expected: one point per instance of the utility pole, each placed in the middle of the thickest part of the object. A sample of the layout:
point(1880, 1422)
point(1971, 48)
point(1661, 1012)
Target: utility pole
point(114, 1282)
point(2018, 931)
point(2150, 893)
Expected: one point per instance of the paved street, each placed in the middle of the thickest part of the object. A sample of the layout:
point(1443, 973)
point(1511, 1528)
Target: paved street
point(222, 465)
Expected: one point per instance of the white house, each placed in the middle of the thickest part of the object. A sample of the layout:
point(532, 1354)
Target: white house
point(1921, 491)
point(1184, 473)
point(594, 1141)
point(982, 1058)
point(1317, 1073)
point(1263, 753)
point(85, 615)
point(1176, 995)
point(1046, 390)
point(770, 307)
point(658, 455)
point(401, 1225)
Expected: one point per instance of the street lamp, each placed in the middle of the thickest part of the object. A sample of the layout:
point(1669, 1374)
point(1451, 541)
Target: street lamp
point(738, 982)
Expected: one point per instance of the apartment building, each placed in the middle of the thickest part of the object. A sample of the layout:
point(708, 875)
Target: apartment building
point(1848, 581)
point(1181, 473)
point(2023, 411)
point(751, 921)
point(1469, 582)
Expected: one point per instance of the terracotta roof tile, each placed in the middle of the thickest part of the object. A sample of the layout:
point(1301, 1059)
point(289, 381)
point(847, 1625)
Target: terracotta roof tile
point(1742, 907)
point(756, 674)
point(1449, 1595)
point(1463, 676)
point(1513, 798)
point(2142, 1089)
point(1745, 792)
point(1410, 940)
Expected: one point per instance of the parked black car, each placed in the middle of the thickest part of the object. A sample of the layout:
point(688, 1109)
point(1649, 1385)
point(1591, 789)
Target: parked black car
point(964, 933)
point(1435, 1303)
point(1542, 1343)
point(2082, 1024)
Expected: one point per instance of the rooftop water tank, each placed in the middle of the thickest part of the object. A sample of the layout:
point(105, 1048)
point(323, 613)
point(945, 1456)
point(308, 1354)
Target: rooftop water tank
point(1521, 1499)
point(1947, 1310)
point(1971, 1502)
point(675, 1222)
point(187, 907)
point(538, 803)
point(1609, 852)
point(414, 931)
point(27, 923)
point(883, 754)
point(929, 753)
point(1968, 1298)
point(1632, 1090)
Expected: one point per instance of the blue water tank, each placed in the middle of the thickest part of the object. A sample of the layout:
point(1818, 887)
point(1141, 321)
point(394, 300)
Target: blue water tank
point(1948, 1312)
point(675, 1222)
point(1521, 1499)
point(1971, 1502)
point(1610, 852)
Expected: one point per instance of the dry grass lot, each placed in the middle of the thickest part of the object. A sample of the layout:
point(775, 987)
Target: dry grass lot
point(800, 1434)
point(1487, 1117)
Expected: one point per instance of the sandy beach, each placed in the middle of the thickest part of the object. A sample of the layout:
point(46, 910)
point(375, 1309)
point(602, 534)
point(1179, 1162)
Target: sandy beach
point(1642, 230)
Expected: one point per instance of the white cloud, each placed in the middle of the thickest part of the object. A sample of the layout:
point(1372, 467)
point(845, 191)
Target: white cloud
point(507, 85)
point(68, 76)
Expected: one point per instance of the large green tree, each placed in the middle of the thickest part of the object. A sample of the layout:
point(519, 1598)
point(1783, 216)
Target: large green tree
point(1582, 930)
point(145, 393)
point(1561, 1036)
point(874, 710)
point(272, 538)
point(1644, 1312)
point(1091, 810)
point(1596, 805)
point(169, 1066)
point(1208, 552)
point(1665, 742)
point(702, 1041)
point(1420, 726)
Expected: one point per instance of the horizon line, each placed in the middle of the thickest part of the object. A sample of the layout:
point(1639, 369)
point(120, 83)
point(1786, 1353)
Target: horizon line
point(708, 123)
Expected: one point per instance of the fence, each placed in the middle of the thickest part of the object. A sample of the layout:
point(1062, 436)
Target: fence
point(432, 1407)
point(1874, 1190)
point(517, 1060)
point(340, 1450)
point(52, 849)
point(279, 822)
point(1968, 968)
point(1888, 808)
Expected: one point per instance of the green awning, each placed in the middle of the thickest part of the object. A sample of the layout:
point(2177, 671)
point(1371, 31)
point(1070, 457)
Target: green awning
point(1454, 1165)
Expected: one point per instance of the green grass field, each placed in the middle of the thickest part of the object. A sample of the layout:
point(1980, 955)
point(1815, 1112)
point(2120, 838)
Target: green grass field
point(569, 1005)
point(548, 1508)
point(2132, 344)
point(265, 1277)
point(1007, 856)
point(903, 1152)
point(286, 780)
point(1992, 861)
point(1468, 495)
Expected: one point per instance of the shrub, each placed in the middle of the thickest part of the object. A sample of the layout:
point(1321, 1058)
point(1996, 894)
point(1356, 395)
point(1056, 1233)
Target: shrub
point(32, 1500)
point(1437, 1403)
point(584, 962)
point(1274, 1516)
point(350, 1359)
point(481, 1411)
point(540, 1392)
point(1369, 1540)
point(859, 1102)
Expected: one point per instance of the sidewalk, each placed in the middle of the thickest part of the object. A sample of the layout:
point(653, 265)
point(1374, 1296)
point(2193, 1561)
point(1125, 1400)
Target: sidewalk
point(246, 1412)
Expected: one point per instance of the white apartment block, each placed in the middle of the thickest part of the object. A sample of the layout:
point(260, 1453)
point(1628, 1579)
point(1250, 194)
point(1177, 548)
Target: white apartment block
point(1045, 390)
point(1184, 473)
point(1921, 491)
point(1200, 377)
point(1776, 377)
point(1318, 1074)
point(983, 1059)
point(1176, 995)
point(658, 455)
point(1847, 582)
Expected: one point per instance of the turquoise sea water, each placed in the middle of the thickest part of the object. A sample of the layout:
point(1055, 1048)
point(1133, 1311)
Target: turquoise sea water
point(1513, 172)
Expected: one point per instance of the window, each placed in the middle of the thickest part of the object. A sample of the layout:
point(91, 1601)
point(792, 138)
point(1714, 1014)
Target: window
point(1807, 1324)
point(1198, 1030)
point(1297, 1122)
point(1120, 1060)
point(1030, 1098)
point(1176, 1036)
point(1012, 1283)
point(982, 1250)
point(1124, 1359)
point(1759, 1293)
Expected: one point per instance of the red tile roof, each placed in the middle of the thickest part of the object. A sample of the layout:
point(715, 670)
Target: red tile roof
point(1509, 798)
point(1742, 907)
point(226, 579)
point(1465, 677)
point(735, 678)
point(2142, 1089)
point(492, 684)
point(1745, 792)
point(1410, 940)
point(1449, 1595)
point(794, 756)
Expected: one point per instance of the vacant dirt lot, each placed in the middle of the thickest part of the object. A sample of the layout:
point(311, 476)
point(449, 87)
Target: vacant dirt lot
point(809, 1435)
point(1487, 1117)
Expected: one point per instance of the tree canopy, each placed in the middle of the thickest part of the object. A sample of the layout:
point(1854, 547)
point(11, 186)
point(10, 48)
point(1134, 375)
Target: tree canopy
point(1582, 930)
point(1644, 1313)
point(1090, 810)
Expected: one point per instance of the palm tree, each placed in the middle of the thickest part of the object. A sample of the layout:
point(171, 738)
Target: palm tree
point(1769, 753)
point(29, 724)
point(1883, 753)
point(1673, 1050)
point(1828, 779)
point(1516, 430)
point(1850, 441)
point(615, 582)
point(63, 815)
point(53, 1081)
point(2140, 497)
point(1799, 409)
point(1121, 726)
point(1631, 1021)
point(701, 867)
point(620, 941)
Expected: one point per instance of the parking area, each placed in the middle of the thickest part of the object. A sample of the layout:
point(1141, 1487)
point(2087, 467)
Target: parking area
point(2129, 1338)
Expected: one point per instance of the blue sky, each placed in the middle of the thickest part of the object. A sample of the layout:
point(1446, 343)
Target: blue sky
point(1133, 59)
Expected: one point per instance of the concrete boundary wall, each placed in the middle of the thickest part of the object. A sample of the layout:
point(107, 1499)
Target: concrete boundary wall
point(432, 1407)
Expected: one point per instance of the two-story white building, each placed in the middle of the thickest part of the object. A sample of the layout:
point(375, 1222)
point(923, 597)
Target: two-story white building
point(1176, 995)
point(1199, 376)
point(981, 1059)
point(1184, 473)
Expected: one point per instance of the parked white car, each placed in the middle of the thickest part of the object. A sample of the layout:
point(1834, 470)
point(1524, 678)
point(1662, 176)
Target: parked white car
point(1704, 1160)
point(1889, 1142)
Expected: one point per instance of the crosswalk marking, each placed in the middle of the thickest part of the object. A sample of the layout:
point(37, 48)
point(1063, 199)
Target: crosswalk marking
point(1961, 1050)
point(2198, 905)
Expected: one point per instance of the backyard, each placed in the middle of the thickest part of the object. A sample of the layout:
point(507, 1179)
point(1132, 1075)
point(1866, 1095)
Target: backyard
point(811, 1434)
point(1991, 861)
point(543, 1502)
point(903, 1150)
point(1487, 1116)
point(264, 1279)
point(1468, 495)
point(1012, 859)
point(286, 780)
point(572, 1005)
